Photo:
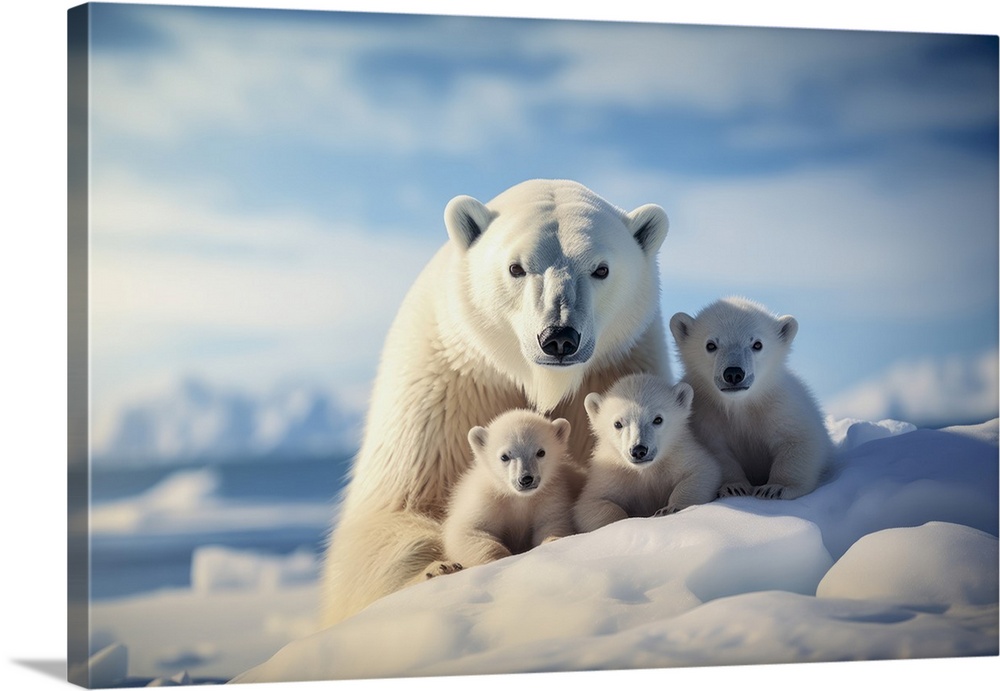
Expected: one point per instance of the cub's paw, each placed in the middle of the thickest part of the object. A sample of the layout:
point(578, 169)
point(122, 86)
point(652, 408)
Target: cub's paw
point(550, 538)
point(736, 489)
point(665, 511)
point(769, 491)
point(441, 568)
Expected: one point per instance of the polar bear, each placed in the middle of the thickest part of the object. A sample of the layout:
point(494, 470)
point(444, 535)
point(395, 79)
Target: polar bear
point(646, 460)
point(546, 291)
point(754, 415)
point(516, 495)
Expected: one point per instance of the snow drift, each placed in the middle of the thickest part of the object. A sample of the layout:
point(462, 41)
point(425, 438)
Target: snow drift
point(893, 556)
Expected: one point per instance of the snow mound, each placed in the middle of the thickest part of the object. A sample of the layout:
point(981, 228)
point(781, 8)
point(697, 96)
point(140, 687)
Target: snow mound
point(731, 582)
point(936, 563)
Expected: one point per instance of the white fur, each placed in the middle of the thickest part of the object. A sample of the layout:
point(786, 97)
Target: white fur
point(769, 437)
point(491, 515)
point(464, 347)
point(646, 460)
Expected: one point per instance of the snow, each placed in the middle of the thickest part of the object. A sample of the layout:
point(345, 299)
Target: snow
point(893, 556)
point(895, 564)
point(194, 419)
point(216, 568)
point(963, 387)
point(185, 503)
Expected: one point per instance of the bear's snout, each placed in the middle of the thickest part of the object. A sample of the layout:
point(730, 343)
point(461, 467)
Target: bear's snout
point(559, 341)
point(733, 375)
point(526, 480)
point(639, 452)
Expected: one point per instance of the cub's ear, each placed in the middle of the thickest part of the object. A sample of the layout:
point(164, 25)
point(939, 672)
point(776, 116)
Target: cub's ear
point(592, 403)
point(649, 225)
point(680, 326)
point(562, 428)
point(683, 395)
point(787, 328)
point(477, 438)
point(466, 219)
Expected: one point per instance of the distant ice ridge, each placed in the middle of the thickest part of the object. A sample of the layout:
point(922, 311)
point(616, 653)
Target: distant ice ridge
point(196, 420)
point(186, 503)
point(927, 392)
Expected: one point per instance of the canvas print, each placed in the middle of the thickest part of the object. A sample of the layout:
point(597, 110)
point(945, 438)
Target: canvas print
point(412, 345)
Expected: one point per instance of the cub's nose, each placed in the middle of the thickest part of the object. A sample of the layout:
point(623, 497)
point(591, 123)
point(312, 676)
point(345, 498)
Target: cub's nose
point(639, 452)
point(526, 480)
point(733, 375)
point(559, 341)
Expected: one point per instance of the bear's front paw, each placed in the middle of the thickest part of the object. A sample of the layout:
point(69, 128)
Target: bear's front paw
point(736, 489)
point(665, 511)
point(769, 491)
point(441, 568)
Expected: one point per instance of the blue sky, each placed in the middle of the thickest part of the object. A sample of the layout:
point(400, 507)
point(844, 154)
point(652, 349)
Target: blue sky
point(267, 184)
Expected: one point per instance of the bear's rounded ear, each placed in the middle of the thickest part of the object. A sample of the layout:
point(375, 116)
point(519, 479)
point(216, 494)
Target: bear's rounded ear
point(466, 219)
point(787, 328)
point(680, 326)
point(649, 225)
point(683, 395)
point(562, 428)
point(592, 403)
point(477, 438)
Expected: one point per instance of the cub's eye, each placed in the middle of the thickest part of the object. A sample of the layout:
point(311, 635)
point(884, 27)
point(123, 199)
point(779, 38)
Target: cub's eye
point(757, 345)
point(505, 458)
point(516, 270)
point(618, 425)
point(601, 272)
point(657, 420)
point(541, 453)
point(710, 347)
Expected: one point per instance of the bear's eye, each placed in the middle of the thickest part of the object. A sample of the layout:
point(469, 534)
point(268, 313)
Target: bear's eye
point(618, 425)
point(601, 272)
point(657, 420)
point(505, 458)
point(710, 347)
point(757, 345)
point(516, 270)
point(541, 453)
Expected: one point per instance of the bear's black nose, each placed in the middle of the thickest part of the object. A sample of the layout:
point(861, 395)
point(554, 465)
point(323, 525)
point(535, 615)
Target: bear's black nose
point(639, 452)
point(526, 480)
point(733, 375)
point(559, 341)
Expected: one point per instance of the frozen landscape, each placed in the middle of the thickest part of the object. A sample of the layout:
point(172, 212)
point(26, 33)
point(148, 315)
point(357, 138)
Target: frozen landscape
point(894, 556)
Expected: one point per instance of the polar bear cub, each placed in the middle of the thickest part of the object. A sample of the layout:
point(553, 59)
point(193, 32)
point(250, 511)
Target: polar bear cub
point(646, 461)
point(517, 493)
point(751, 412)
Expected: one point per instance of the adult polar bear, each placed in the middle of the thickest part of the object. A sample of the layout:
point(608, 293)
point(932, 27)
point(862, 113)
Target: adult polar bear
point(539, 297)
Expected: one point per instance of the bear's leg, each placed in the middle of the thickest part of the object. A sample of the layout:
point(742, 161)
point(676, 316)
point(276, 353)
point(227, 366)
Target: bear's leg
point(591, 514)
point(370, 557)
point(794, 471)
point(477, 547)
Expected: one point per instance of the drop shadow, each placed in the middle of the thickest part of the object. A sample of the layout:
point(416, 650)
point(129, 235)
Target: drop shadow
point(50, 668)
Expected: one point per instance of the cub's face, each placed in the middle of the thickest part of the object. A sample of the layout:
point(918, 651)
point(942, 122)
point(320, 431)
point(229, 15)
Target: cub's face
point(520, 451)
point(557, 276)
point(734, 345)
point(639, 424)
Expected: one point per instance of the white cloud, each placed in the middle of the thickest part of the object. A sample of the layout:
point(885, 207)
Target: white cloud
point(269, 78)
point(922, 247)
point(956, 388)
point(265, 78)
point(178, 286)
